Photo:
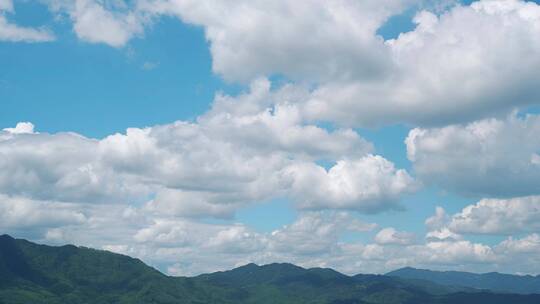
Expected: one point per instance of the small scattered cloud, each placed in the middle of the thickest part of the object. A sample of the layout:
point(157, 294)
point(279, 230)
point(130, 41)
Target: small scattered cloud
point(14, 33)
point(148, 65)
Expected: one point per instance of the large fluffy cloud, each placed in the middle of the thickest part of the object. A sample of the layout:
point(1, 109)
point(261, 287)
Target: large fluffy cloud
point(314, 40)
point(492, 157)
point(225, 160)
point(453, 67)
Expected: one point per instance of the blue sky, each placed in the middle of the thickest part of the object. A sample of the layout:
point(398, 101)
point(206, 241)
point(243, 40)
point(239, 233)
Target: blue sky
point(79, 82)
point(325, 147)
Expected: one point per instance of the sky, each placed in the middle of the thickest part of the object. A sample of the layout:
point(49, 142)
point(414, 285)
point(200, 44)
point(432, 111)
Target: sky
point(198, 136)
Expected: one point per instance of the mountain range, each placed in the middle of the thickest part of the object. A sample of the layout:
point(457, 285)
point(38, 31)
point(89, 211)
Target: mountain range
point(33, 273)
point(494, 281)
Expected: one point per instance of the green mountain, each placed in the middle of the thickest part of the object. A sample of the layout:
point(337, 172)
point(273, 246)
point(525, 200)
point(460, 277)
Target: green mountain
point(32, 273)
point(496, 282)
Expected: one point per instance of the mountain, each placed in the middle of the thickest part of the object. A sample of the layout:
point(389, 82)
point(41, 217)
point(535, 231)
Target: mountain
point(497, 282)
point(32, 273)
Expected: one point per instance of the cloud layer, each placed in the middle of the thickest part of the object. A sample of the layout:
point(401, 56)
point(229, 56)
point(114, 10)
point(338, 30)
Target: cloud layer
point(211, 167)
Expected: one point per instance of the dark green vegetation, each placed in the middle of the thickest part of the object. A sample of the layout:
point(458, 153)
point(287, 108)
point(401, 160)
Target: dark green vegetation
point(31, 273)
point(496, 282)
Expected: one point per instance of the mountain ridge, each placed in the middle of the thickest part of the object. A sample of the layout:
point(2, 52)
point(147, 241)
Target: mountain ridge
point(494, 281)
point(33, 273)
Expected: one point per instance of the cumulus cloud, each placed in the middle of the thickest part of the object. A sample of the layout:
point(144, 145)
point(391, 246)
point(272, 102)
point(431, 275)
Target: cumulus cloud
point(526, 245)
point(93, 23)
point(480, 158)
point(184, 246)
point(368, 184)
point(109, 22)
point(315, 40)
point(61, 167)
point(314, 240)
point(496, 216)
point(315, 232)
point(437, 221)
point(451, 68)
point(457, 252)
point(437, 227)
point(355, 77)
point(20, 213)
point(229, 157)
point(21, 128)
point(390, 236)
point(14, 33)
point(362, 80)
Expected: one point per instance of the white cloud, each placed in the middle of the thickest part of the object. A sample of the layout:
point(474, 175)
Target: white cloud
point(456, 252)
point(237, 239)
point(367, 184)
point(362, 80)
point(93, 23)
point(172, 232)
point(315, 40)
point(265, 119)
point(226, 159)
point(60, 167)
point(437, 221)
point(437, 226)
point(21, 213)
point(186, 247)
point(315, 232)
point(442, 234)
point(499, 216)
point(390, 236)
point(121, 249)
point(6, 5)
point(21, 128)
point(490, 157)
point(14, 33)
point(452, 68)
point(112, 22)
point(529, 244)
point(190, 204)
point(356, 77)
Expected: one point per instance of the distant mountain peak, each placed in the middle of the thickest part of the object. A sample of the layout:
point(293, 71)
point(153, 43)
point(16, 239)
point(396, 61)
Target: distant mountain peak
point(6, 237)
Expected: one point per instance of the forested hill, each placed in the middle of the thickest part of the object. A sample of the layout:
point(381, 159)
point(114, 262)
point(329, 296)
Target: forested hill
point(32, 273)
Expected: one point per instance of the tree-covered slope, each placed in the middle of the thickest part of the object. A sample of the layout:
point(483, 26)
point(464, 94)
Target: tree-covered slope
point(32, 273)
